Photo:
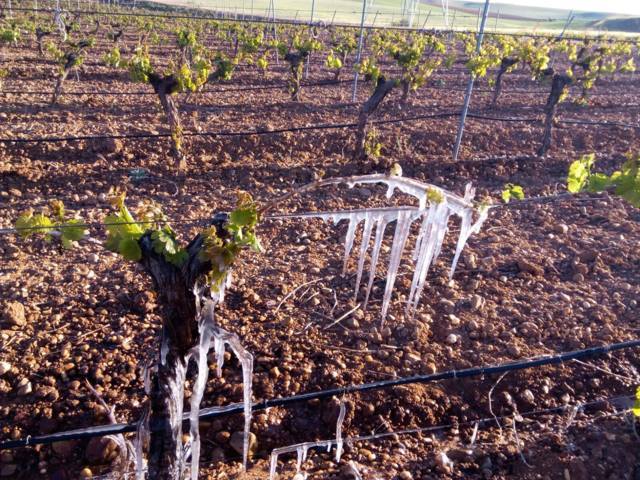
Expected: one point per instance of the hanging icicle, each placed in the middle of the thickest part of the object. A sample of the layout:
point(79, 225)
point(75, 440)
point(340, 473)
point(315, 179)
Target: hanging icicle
point(435, 207)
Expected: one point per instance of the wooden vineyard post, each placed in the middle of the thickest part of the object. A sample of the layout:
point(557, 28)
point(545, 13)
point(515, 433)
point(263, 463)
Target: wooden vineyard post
point(355, 78)
point(467, 96)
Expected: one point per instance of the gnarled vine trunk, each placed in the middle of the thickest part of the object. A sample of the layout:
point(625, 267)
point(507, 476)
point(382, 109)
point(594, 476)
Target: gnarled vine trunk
point(505, 64)
point(40, 34)
point(175, 289)
point(368, 108)
point(71, 59)
point(296, 65)
point(558, 84)
point(165, 87)
point(406, 88)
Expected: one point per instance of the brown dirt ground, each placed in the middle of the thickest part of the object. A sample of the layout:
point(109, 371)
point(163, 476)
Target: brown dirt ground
point(91, 315)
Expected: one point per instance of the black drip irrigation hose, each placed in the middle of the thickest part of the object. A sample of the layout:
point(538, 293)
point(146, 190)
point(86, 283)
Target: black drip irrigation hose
point(215, 412)
point(222, 90)
point(328, 126)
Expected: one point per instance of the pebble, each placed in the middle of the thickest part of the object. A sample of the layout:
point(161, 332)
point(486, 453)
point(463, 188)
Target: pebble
point(351, 322)
point(367, 454)
point(86, 473)
point(561, 228)
point(452, 338)
point(24, 387)
point(453, 320)
point(4, 367)
point(236, 442)
point(514, 350)
point(448, 305)
point(13, 314)
point(101, 450)
point(477, 302)
point(527, 396)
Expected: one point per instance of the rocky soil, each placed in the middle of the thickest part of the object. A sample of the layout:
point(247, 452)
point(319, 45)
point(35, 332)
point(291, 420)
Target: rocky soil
point(541, 277)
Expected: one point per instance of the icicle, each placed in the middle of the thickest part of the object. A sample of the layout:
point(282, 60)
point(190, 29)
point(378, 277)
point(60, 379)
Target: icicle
point(218, 346)
point(273, 464)
point(343, 411)
point(142, 436)
point(176, 399)
point(299, 461)
point(206, 325)
point(354, 470)
point(354, 221)
point(399, 239)
point(381, 225)
point(466, 229)
point(433, 229)
point(222, 337)
point(164, 349)
point(301, 450)
point(430, 238)
point(364, 246)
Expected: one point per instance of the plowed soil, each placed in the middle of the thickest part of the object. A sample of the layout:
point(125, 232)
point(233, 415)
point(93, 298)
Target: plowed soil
point(541, 277)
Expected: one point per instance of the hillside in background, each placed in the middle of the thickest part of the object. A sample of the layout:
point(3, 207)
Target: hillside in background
point(546, 18)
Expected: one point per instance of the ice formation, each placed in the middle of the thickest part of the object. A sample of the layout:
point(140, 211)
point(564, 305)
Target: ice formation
point(435, 207)
point(210, 333)
point(302, 449)
point(339, 423)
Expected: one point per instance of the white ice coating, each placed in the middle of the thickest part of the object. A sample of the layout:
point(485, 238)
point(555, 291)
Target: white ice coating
point(403, 224)
point(434, 217)
point(208, 331)
point(176, 404)
point(302, 449)
point(339, 423)
point(205, 326)
point(222, 338)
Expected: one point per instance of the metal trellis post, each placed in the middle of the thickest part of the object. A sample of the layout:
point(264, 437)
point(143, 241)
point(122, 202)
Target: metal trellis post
point(467, 96)
point(355, 78)
point(306, 70)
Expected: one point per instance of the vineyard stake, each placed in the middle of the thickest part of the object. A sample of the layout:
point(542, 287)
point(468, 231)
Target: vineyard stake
point(306, 70)
point(467, 96)
point(566, 25)
point(426, 19)
point(355, 78)
point(375, 17)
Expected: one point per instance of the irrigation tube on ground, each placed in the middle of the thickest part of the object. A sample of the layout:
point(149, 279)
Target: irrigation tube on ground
point(216, 412)
point(328, 126)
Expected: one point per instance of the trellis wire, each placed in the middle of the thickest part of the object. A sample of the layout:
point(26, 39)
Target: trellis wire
point(619, 400)
point(329, 126)
point(216, 412)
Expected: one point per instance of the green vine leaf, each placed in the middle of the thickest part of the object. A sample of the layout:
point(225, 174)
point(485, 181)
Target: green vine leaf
point(512, 191)
point(579, 172)
point(67, 230)
point(129, 249)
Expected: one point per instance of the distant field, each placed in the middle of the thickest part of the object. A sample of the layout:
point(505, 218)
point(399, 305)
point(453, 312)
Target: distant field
point(429, 13)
